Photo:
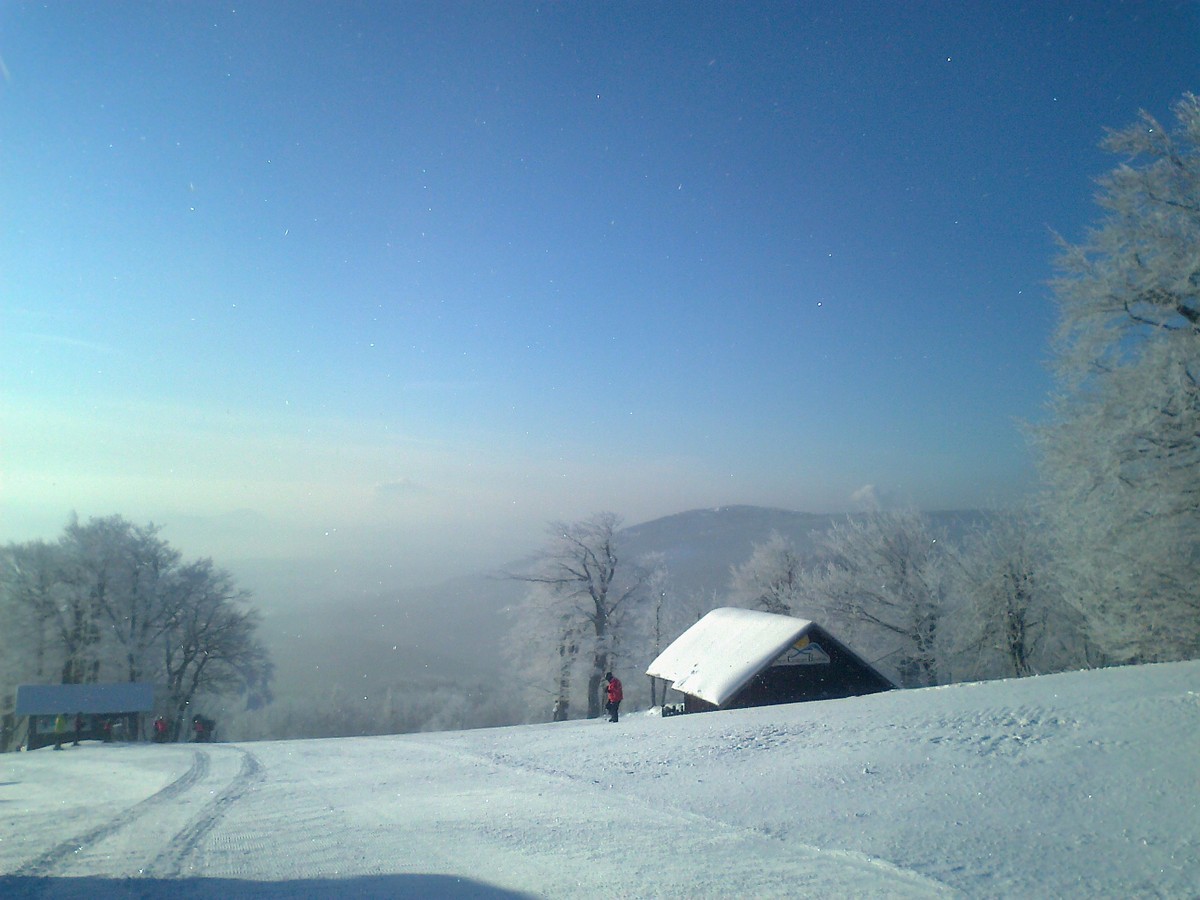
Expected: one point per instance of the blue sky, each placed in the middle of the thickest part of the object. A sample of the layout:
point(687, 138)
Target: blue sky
point(401, 282)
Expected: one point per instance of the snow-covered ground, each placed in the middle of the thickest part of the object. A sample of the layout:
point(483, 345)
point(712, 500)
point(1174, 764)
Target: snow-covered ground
point(1076, 785)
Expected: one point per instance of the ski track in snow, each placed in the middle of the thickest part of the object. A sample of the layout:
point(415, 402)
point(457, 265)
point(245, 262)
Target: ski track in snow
point(184, 812)
point(171, 862)
point(50, 861)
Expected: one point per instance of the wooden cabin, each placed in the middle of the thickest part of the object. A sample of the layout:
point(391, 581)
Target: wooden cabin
point(734, 658)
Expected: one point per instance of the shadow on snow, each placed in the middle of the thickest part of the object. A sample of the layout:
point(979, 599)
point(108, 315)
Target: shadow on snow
point(434, 887)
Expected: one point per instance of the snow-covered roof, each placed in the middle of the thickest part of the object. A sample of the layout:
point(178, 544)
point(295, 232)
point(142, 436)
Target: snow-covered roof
point(716, 657)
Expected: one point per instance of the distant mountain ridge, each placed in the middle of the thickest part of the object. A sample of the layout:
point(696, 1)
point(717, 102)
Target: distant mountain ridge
point(700, 545)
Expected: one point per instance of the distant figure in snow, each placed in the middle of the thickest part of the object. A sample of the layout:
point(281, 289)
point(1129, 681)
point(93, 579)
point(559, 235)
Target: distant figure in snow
point(204, 727)
point(60, 729)
point(78, 727)
point(160, 730)
point(615, 695)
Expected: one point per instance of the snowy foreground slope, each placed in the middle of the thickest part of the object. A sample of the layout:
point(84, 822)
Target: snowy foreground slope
point(1077, 785)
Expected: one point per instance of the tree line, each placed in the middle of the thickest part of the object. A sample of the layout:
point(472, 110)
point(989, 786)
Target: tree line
point(1101, 567)
point(111, 601)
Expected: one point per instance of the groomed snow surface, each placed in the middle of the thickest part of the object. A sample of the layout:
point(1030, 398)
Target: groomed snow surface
point(1077, 785)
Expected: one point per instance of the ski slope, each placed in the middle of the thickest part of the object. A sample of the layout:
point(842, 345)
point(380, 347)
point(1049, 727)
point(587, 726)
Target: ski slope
point(1074, 785)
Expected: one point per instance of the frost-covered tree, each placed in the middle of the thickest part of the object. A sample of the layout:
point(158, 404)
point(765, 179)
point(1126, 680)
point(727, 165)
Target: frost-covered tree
point(544, 649)
point(658, 614)
point(113, 601)
point(212, 647)
point(30, 605)
point(123, 572)
point(1121, 451)
point(1007, 617)
point(583, 594)
point(662, 616)
point(881, 582)
point(770, 579)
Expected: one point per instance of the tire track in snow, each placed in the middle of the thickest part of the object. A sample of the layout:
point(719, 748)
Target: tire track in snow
point(68, 849)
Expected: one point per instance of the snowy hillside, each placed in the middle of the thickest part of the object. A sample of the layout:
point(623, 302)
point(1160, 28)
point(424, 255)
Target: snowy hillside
point(1075, 785)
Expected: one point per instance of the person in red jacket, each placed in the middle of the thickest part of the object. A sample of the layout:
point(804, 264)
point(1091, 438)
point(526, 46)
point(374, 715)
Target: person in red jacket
point(615, 695)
